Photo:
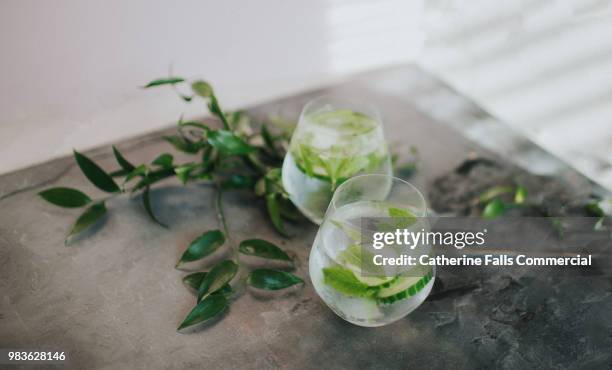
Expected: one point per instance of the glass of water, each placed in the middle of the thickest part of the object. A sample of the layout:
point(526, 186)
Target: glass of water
point(333, 141)
point(342, 268)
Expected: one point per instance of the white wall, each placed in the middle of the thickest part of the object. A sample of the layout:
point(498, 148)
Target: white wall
point(542, 66)
point(70, 69)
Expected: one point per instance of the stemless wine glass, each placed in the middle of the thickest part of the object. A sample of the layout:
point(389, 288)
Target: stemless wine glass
point(341, 268)
point(333, 141)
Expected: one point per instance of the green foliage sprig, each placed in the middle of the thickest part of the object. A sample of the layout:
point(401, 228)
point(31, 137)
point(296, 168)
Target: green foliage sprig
point(233, 157)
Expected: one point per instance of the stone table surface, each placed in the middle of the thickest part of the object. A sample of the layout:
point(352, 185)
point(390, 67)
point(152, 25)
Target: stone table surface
point(114, 299)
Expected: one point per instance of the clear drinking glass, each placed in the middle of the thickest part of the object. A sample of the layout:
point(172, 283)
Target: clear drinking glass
point(333, 141)
point(340, 266)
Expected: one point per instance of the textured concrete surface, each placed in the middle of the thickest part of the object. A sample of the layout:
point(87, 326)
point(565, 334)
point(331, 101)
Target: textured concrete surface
point(114, 300)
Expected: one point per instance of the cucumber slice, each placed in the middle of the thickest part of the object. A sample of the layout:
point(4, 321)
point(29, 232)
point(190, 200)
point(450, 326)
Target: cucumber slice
point(404, 288)
point(377, 281)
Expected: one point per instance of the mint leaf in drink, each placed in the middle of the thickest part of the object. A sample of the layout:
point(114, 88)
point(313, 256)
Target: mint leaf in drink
point(220, 275)
point(263, 249)
point(205, 310)
point(88, 218)
point(344, 281)
point(164, 81)
point(95, 174)
point(269, 279)
point(202, 246)
point(65, 197)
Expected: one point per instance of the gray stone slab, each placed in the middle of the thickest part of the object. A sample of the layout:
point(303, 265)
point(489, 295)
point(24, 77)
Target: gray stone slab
point(114, 299)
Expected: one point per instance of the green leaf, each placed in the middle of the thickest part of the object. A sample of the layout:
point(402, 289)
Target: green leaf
point(163, 160)
point(593, 209)
point(183, 172)
point(95, 174)
point(194, 124)
point(164, 81)
point(202, 246)
point(494, 192)
point(262, 248)
point(274, 213)
point(229, 143)
point(88, 218)
point(65, 197)
point(237, 181)
point(183, 144)
point(141, 170)
point(206, 310)
point(494, 209)
point(520, 195)
point(202, 88)
point(215, 109)
point(119, 173)
point(344, 281)
point(269, 279)
point(194, 281)
point(124, 163)
point(146, 202)
point(221, 273)
point(407, 170)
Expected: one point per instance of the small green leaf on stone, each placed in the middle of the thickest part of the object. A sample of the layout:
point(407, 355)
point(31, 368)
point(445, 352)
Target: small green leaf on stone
point(494, 192)
point(262, 248)
point(95, 174)
point(520, 195)
point(194, 281)
point(124, 163)
point(202, 88)
point(494, 209)
point(206, 310)
point(88, 218)
point(163, 160)
point(221, 273)
point(229, 143)
point(65, 197)
point(165, 81)
point(269, 279)
point(594, 209)
point(203, 246)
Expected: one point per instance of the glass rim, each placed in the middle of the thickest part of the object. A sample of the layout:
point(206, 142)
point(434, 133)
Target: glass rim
point(422, 213)
point(368, 108)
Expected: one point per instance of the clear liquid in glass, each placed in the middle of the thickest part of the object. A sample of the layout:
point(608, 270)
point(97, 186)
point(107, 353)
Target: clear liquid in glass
point(328, 147)
point(375, 300)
